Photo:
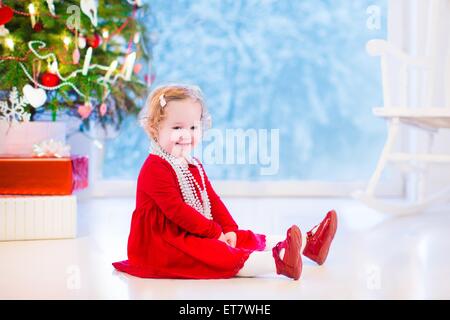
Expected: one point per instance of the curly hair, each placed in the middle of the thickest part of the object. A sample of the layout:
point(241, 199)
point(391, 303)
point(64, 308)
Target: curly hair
point(153, 112)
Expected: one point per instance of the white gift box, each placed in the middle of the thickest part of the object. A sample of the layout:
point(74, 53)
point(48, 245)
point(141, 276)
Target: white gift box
point(18, 138)
point(37, 217)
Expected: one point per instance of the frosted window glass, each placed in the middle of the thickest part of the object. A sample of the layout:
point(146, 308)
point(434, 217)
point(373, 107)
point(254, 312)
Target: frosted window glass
point(297, 66)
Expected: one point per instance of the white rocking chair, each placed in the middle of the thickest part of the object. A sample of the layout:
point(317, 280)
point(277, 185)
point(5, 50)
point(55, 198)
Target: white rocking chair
point(425, 117)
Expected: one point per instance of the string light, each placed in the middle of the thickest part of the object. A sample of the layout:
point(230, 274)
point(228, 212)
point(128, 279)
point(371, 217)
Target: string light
point(137, 37)
point(105, 34)
point(112, 67)
point(128, 66)
point(9, 42)
point(50, 88)
point(32, 13)
point(53, 67)
point(87, 61)
point(67, 42)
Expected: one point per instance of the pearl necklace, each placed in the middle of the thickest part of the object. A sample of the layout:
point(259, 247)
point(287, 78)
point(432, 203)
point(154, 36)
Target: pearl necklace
point(186, 181)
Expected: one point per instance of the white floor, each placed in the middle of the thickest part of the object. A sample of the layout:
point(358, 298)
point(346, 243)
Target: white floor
point(374, 256)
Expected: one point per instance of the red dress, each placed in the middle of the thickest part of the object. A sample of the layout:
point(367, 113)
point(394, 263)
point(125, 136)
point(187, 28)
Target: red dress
point(170, 239)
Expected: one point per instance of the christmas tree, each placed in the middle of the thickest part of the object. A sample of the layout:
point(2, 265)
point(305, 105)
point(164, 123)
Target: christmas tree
point(87, 58)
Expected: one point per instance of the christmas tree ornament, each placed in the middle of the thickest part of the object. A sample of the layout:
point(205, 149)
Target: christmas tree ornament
point(137, 68)
point(87, 61)
point(103, 109)
point(38, 26)
point(105, 38)
point(9, 43)
point(76, 56)
point(94, 40)
point(67, 41)
point(105, 34)
point(51, 7)
point(137, 37)
point(128, 66)
point(6, 14)
point(3, 31)
point(36, 97)
point(89, 8)
point(81, 42)
point(32, 11)
point(49, 79)
point(53, 66)
point(137, 3)
point(51, 149)
point(65, 83)
point(76, 51)
point(84, 110)
point(14, 111)
point(111, 69)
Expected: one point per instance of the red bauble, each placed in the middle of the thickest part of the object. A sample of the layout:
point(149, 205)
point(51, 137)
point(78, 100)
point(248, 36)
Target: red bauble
point(38, 26)
point(6, 14)
point(94, 41)
point(49, 79)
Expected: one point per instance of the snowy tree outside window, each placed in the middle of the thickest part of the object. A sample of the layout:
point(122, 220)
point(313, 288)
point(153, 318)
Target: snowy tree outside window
point(297, 66)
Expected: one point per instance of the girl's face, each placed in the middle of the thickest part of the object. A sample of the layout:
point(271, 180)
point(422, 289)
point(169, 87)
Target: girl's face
point(180, 131)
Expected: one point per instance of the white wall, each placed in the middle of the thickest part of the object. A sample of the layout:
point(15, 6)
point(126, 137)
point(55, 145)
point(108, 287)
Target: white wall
point(433, 39)
point(421, 27)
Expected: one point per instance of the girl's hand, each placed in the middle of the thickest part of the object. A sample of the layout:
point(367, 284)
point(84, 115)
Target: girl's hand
point(231, 238)
point(222, 238)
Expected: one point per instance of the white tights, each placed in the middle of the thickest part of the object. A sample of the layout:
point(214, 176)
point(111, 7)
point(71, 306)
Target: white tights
point(262, 262)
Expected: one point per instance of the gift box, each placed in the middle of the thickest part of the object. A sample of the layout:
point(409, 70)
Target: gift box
point(18, 138)
point(43, 176)
point(37, 217)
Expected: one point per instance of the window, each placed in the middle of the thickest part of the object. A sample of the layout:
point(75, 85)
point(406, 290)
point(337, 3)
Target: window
point(296, 66)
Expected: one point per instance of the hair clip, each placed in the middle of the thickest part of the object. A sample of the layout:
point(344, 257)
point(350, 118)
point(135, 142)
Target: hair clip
point(162, 101)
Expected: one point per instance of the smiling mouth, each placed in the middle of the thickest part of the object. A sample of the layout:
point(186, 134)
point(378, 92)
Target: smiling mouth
point(183, 144)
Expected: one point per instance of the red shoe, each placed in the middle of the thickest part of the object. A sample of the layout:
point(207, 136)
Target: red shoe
point(291, 265)
point(318, 243)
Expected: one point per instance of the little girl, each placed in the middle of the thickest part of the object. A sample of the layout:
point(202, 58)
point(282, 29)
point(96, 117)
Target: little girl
point(180, 227)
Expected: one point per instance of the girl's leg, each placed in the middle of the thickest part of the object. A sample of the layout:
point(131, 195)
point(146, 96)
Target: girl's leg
point(287, 262)
point(258, 263)
point(272, 240)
